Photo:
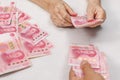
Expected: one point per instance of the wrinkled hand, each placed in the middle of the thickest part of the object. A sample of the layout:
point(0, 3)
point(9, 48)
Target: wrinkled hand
point(60, 13)
point(95, 11)
point(89, 73)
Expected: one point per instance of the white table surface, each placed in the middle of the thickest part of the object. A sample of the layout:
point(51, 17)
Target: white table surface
point(55, 67)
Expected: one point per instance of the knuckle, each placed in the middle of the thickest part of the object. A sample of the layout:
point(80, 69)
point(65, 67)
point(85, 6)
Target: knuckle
point(65, 15)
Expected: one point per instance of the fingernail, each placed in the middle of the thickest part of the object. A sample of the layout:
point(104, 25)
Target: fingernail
point(75, 14)
point(83, 62)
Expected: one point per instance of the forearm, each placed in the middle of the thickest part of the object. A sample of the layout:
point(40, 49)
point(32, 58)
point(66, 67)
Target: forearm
point(43, 3)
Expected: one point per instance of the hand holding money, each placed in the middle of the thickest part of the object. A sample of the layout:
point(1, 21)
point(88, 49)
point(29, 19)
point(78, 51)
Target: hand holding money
point(82, 22)
point(60, 13)
point(95, 11)
point(96, 59)
point(89, 73)
point(59, 10)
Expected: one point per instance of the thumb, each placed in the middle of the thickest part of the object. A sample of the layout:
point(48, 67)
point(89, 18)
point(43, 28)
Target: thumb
point(70, 11)
point(86, 68)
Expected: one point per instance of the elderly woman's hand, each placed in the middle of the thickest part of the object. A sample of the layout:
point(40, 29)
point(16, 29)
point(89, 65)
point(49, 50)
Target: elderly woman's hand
point(95, 11)
point(89, 73)
point(60, 13)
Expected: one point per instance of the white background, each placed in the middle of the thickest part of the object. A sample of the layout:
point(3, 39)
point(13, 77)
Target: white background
point(55, 67)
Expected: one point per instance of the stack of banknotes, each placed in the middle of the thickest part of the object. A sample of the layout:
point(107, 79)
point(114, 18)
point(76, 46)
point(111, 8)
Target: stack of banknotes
point(20, 40)
point(81, 21)
point(90, 53)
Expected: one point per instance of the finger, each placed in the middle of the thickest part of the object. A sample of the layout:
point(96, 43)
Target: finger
point(65, 15)
point(97, 24)
point(72, 73)
point(64, 24)
point(66, 19)
point(70, 10)
point(81, 78)
point(68, 25)
point(90, 15)
point(93, 26)
point(101, 15)
point(55, 20)
point(86, 68)
point(62, 14)
point(60, 23)
point(60, 17)
point(75, 78)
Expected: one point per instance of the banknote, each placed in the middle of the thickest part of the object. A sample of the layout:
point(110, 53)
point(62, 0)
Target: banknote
point(78, 53)
point(20, 40)
point(31, 32)
point(81, 21)
point(12, 56)
point(42, 48)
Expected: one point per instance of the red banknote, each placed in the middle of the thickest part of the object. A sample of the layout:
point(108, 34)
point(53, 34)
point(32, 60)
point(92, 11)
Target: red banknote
point(12, 55)
point(31, 32)
point(22, 17)
point(90, 53)
point(85, 52)
point(42, 48)
point(20, 40)
point(81, 21)
point(8, 16)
